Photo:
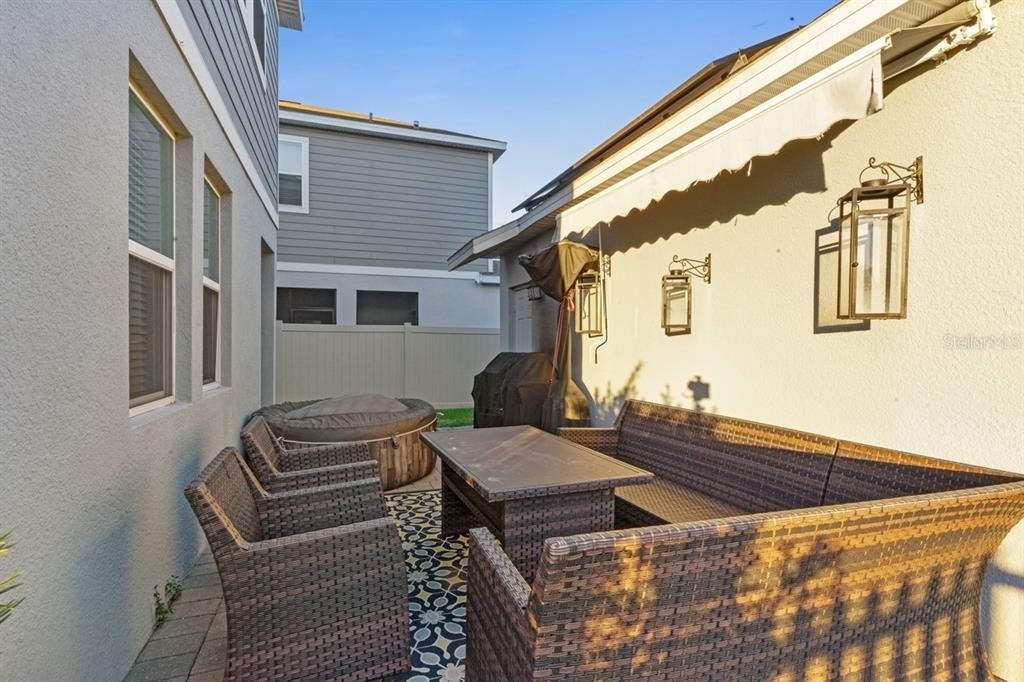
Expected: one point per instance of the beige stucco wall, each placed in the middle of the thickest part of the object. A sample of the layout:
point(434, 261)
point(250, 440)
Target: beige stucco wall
point(765, 344)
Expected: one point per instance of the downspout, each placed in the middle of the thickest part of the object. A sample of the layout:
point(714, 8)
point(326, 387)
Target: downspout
point(603, 273)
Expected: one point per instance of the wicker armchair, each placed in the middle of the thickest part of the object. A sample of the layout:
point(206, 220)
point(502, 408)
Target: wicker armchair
point(868, 590)
point(279, 470)
point(314, 580)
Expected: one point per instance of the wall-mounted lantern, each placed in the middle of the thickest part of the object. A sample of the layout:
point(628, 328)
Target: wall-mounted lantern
point(676, 303)
point(588, 304)
point(874, 240)
point(533, 292)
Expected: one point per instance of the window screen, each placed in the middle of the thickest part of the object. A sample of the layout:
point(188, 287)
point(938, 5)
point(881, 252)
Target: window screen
point(306, 306)
point(387, 307)
point(149, 324)
point(211, 310)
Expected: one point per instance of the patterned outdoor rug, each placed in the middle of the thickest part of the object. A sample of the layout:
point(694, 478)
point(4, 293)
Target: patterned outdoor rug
point(437, 587)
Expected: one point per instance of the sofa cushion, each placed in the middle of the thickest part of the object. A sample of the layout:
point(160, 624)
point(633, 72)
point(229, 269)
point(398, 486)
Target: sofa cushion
point(757, 467)
point(865, 472)
point(662, 501)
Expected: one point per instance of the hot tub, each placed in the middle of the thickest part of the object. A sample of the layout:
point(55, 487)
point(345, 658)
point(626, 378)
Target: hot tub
point(391, 428)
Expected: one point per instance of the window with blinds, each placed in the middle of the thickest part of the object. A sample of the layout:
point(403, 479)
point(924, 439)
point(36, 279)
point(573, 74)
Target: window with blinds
point(150, 255)
point(211, 284)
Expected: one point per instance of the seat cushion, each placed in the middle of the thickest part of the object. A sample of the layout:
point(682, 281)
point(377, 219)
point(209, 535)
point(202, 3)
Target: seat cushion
point(663, 501)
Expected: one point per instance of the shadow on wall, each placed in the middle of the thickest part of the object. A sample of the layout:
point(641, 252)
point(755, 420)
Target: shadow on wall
point(826, 284)
point(998, 580)
point(606, 403)
point(698, 392)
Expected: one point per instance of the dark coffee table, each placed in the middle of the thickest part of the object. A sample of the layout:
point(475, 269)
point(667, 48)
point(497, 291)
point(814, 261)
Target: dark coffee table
point(526, 485)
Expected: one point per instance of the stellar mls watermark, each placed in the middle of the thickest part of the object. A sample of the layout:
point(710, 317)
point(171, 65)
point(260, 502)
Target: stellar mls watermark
point(982, 341)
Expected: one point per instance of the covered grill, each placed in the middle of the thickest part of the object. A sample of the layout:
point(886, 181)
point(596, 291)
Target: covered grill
point(511, 389)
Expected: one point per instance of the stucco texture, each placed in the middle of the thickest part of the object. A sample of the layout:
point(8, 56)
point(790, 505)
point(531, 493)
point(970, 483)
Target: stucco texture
point(765, 343)
point(95, 497)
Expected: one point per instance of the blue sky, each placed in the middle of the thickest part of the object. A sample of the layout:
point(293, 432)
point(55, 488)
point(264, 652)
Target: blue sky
point(553, 79)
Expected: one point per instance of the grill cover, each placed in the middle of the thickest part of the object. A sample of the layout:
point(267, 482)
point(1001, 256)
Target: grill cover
point(510, 390)
point(556, 269)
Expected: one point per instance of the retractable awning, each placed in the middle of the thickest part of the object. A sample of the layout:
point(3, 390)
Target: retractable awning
point(848, 90)
point(795, 86)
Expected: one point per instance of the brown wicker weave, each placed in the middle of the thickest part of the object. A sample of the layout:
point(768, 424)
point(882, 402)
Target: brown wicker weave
point(526, 485)
point(878, 577)
point(314, 580)
point(866, 472)
point(869, 590)
point(279, 470)
point(746, 466)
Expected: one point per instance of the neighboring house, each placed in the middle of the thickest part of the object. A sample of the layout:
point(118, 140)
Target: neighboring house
point(370, 210)
point(138, 225)
point(746, 161)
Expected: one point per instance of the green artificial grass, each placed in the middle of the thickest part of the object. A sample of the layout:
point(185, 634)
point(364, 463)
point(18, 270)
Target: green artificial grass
point(453, 417)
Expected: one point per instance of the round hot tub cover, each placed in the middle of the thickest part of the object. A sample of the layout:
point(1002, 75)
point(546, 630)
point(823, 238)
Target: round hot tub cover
point(360, 417)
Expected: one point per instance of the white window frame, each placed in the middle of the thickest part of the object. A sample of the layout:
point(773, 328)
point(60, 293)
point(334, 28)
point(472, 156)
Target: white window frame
point(153, 257)
point(214, 286)
point(304, 208)
point(247, 18)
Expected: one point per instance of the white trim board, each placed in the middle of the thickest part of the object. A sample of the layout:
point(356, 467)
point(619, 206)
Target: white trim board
point(496, 147)
point(182, 35)
point(378, 271)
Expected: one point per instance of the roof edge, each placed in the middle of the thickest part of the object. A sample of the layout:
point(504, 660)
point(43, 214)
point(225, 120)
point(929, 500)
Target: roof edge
point(295, 113)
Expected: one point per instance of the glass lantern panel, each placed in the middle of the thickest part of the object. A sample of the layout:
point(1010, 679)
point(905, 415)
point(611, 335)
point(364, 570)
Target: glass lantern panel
point(588, 308)
point(879, 278)
point(677, 305)
point(843, 310)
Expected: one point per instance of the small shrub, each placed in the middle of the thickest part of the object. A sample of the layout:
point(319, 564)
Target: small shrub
point(9, 583)
point(163, 606)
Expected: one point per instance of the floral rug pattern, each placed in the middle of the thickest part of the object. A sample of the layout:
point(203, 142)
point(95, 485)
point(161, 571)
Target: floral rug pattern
point(436, 567)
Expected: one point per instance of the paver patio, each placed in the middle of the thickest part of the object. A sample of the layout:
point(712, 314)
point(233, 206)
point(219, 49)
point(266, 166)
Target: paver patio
point(191, 645)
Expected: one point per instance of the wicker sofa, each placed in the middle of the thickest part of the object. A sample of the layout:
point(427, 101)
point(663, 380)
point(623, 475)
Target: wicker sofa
point(759, 553)
point(314, 579)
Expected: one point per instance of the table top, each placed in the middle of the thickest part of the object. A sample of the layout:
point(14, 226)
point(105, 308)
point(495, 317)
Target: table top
point(516, 462)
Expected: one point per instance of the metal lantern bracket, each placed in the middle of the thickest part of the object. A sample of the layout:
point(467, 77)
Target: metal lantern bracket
point(692, 266)
point(912, 175)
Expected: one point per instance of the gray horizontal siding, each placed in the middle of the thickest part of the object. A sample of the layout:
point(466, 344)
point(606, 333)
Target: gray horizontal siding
point(222, 36)
point(375, 201)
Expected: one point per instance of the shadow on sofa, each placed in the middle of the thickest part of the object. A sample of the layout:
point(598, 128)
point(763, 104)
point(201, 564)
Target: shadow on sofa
point(841, 560)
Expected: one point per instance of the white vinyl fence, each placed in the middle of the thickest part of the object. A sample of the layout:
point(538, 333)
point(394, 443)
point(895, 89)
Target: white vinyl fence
point(436, 364)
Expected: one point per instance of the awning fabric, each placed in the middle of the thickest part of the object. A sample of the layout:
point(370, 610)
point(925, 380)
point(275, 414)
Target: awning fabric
point(850, 89)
